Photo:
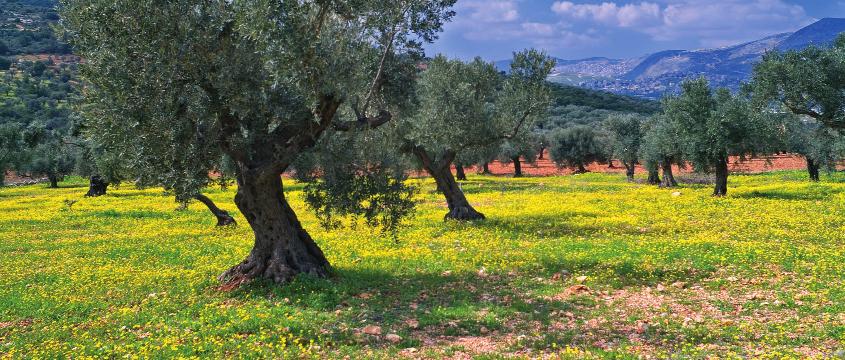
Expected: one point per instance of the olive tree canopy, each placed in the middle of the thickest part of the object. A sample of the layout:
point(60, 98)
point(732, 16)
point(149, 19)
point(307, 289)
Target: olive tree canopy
point(470, 108)
point(180, 84)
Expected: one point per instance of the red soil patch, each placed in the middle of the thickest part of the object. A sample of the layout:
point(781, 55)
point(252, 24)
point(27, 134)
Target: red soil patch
point(546, 167)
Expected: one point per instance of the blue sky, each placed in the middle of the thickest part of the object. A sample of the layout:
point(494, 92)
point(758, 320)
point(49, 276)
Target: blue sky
point(575, 29)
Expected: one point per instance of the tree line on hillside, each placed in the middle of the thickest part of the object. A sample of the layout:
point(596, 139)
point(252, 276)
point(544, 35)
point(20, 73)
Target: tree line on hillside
point(26, 28)
point(333, 93)
point(36, 121)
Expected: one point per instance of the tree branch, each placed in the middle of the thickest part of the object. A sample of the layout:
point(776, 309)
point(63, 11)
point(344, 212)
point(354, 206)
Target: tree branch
point(364, 122)
point(517, 126)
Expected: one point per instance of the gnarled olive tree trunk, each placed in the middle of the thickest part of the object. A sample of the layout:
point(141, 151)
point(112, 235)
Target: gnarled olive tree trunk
point(630, 166)
point(517, 167)
point(223, 217)
point(282, 247)
point(441, 170)
point(97, 186)
point(721, 188)
point(460, 173)
point(813, 170)
point(54, 180)
point(668, 177)
point(581, 169)
point(485, 168)
point(653, 175)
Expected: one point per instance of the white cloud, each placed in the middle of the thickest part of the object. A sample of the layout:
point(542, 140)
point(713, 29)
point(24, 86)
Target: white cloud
point(489, 11)
point(627, 15)
point(500, 20)
point(713, 23)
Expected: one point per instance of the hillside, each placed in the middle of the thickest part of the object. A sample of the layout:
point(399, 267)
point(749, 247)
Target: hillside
point(25, 28)
point(567, 95)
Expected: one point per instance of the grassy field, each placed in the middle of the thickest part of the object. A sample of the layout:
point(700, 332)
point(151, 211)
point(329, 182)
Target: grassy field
point(575, 267)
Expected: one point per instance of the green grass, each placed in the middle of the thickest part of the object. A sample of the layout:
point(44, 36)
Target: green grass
point(756, 274)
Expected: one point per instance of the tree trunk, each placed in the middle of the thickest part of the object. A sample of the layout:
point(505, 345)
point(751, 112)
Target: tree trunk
point(542, 151)
point(721, 188)
point(97, 186)
point(813, 169)
point(440, 169)
point(668, 177)
point(223, 217)
point(629, 170)
point(581, 169)
point(54, 180)
point(610, 164)
point(282, 247)
point(459, 170)
point(517, 167)
point(653, 175)
point(485, 168)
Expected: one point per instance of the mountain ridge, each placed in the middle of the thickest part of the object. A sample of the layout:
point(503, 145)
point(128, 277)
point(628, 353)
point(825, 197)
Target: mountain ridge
point(659, 73)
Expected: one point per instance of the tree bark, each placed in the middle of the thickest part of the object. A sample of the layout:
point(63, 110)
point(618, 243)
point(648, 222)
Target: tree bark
point(581, 169)
point(517, 167)
point(440, 169)
point(542, 152)
point(460, 173)
point(97, 186)
point(223, 217)
point(282, 249)
point(721, 188)
point(653, 175)
point(629, 170)
point(668, 177)
point(485, 168)
point(813, 170)
point(54, 180)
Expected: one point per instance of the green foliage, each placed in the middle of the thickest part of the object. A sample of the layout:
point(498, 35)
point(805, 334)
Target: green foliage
point(11, 148)
point(564, 95)
point(807, 82)
point(37, 37)
point(259, 82)
point(624, 137)
point(360, 169)
point(660, 143)
point(37, 121)
point(475, 112)
point(823, 146)
point(456, 107)
point(710, 127)
point(575, 147)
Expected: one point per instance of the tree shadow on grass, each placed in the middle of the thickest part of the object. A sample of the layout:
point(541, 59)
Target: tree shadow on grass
point(484, 185)
point(564, 225)
point(446, 304)
point(817, 194)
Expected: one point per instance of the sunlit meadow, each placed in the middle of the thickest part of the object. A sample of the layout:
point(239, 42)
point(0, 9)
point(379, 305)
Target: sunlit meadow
point(585, 266)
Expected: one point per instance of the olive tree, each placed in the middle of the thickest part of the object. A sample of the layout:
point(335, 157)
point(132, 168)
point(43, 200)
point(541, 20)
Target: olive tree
point(11, 148)
point(809, 82)
point(660, 149)
point(514, 151)
point(711, 127)
point(48, 153)
point(575, 147)
point(466, 106)
point(262, 82)
point(624, 138)
point(820, 146)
